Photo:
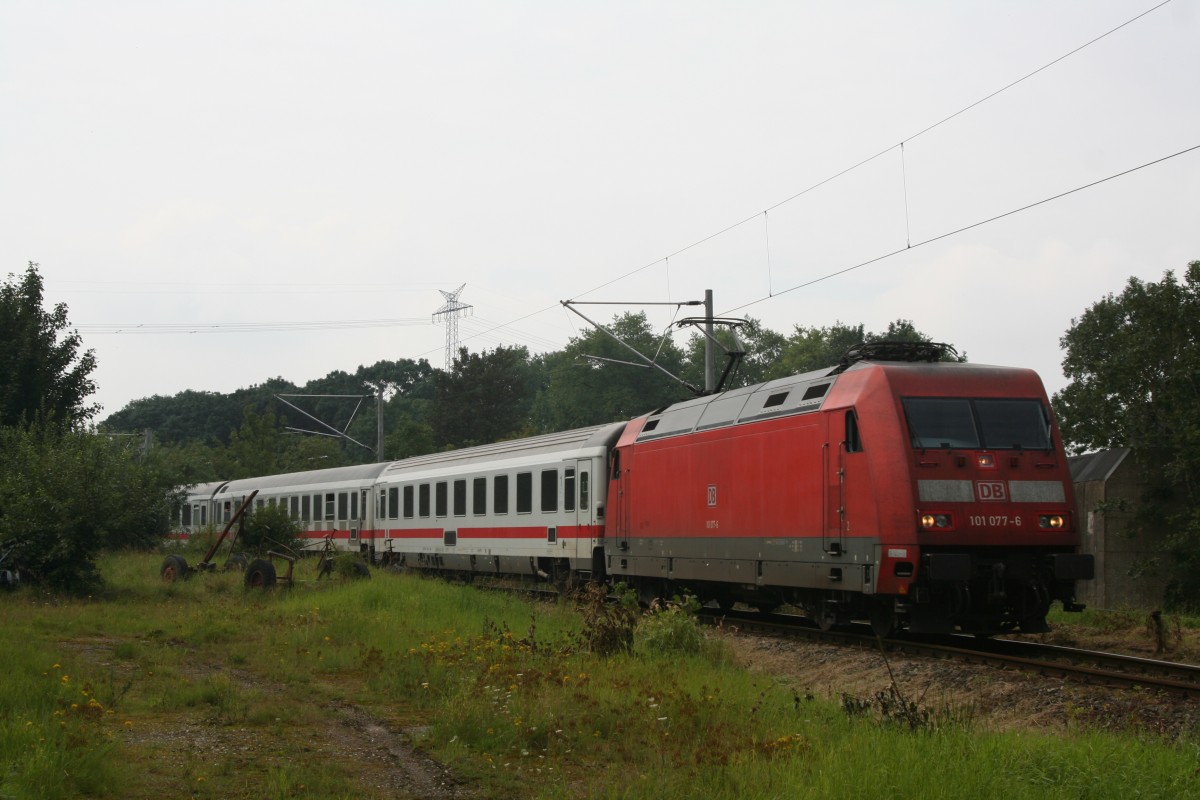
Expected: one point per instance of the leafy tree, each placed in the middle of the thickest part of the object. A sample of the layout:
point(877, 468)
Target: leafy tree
point(42, 370)
point(1134, 364)
point(407, 438)
point(66, 494)
point(485, 397)
point(810, 349)
point(761, 363)
point(587, 386)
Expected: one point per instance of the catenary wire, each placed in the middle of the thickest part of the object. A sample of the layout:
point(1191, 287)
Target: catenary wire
point(956, 231)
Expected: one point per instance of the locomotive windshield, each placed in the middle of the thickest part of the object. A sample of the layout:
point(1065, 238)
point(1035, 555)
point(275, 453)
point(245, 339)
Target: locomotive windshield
point(973, 424)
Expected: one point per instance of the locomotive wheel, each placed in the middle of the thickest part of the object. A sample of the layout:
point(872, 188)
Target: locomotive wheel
point(260, 574)
point(174, 568)
point(825, 615)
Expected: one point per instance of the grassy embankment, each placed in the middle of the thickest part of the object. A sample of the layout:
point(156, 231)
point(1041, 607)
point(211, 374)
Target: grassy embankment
point(335, 689)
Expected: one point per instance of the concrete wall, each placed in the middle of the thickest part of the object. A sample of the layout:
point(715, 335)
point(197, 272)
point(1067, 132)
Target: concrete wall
point(1131, 571)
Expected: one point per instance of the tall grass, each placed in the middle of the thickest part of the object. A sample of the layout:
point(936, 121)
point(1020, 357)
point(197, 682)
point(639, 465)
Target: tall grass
point(502, 689)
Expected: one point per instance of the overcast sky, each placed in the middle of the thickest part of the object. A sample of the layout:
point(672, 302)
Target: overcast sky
point(218, 165)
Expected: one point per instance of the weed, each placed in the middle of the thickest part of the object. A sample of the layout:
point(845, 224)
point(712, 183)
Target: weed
point(670, 628)
point(608, 627)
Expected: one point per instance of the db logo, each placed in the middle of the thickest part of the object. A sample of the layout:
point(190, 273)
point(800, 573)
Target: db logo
point(712, 495)
point(991, 490)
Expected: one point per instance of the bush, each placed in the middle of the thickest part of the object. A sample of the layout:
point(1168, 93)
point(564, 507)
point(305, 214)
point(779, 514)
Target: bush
point(608, 627)
point(269, 527)
point(67, 494)
point(670, 628)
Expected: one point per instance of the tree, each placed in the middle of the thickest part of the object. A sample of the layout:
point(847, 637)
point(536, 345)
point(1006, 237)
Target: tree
point(485, 397)
point(66, 494)
point(586, 385)
point(810, 349)
point(761, 363)
point(41, 368)
point(1134, 365)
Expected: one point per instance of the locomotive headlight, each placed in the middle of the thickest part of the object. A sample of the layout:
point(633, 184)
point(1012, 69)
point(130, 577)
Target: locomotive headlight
point(931, 522)
point(1051, 521)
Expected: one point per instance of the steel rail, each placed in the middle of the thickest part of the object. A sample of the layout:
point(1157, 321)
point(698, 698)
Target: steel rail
point(1104, 669)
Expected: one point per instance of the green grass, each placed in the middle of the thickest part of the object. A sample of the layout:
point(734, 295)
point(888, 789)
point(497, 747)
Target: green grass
point(202, 688)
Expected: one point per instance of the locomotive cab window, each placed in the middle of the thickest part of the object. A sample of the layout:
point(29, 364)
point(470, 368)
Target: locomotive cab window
point(853, 437)
point(976, 424)
point(1014, 424)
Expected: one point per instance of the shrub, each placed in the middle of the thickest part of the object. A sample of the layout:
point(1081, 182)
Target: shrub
point(269, 527)
point(670, 628)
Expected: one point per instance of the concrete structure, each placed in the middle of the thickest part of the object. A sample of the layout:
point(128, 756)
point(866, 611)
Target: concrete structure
point(1131, 569)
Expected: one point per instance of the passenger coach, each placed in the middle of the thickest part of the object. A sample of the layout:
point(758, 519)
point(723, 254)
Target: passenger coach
point(524, 507)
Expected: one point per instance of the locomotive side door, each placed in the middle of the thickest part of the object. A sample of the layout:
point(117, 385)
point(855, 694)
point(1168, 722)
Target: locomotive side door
point(843, 480)
point(618, 498)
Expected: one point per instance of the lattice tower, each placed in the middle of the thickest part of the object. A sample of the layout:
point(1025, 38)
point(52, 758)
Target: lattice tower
point(451, 311)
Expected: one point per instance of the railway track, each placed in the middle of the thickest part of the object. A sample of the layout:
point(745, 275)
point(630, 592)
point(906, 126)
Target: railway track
point(1084, 666)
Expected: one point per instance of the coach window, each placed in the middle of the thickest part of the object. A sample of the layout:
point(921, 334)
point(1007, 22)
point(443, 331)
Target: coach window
point(330, 506)
point(460, 498)
point(500, 494)
point(343, 506)
point(440, 499)
point(295, 507)
point(568, 490)
point(423, 500)
point(524, 492)
point(853, 437)
point(479, 496)
point(393, 510)
point(318, 508)
point(549, 491)
point(305, 508)
point(583, 491)
point(381, 504)
point(354, 505)
point(203, 515)
point(186, 516)
point(408, 502)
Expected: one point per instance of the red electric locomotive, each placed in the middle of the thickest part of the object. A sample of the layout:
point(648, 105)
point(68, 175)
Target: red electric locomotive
point(930, 495)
